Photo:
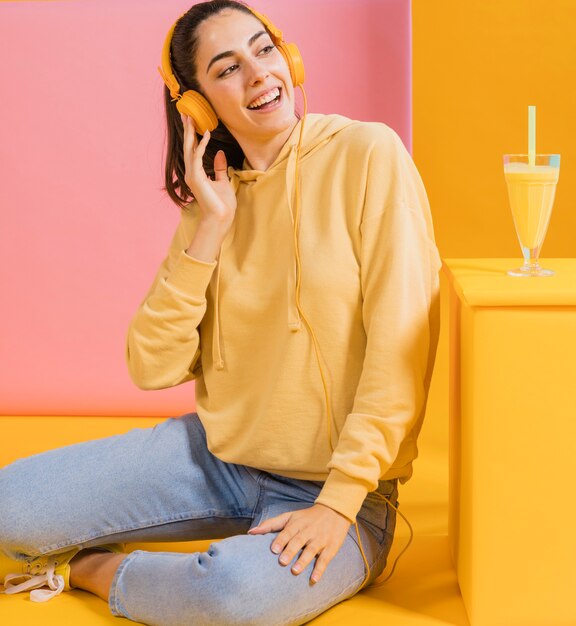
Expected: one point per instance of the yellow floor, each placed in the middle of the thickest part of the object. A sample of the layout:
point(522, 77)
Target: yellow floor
point(422, 592)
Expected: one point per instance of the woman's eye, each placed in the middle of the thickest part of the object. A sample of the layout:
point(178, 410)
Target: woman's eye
point(227, 71)
point(267, 49)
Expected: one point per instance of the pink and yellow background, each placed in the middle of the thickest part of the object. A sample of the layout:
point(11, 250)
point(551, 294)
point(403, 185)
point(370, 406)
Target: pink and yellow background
point(84, 225)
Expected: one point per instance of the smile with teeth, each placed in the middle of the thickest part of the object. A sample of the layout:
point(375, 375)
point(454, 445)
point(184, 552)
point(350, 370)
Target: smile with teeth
point(267, 97)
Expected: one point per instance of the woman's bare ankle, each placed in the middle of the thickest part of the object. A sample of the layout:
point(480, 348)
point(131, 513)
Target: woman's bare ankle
point(94, 570)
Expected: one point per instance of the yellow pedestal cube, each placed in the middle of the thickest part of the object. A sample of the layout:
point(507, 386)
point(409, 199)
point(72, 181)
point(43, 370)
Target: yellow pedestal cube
point(513, 441)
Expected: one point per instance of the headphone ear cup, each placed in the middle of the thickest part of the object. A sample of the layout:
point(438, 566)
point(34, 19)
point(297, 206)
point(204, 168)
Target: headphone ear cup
point(294, 60)
point(198, 108)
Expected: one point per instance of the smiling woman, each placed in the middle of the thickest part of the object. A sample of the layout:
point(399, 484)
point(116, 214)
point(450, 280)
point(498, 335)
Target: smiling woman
point(301, 294)
point(218, 73)
point(236, 80)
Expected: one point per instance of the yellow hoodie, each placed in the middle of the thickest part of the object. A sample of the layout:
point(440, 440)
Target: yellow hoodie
point(369, 287)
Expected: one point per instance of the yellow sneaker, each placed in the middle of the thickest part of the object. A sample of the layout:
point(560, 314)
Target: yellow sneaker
point(49, 570)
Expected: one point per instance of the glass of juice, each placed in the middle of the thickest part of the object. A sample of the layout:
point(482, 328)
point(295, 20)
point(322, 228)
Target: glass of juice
point(531, 189)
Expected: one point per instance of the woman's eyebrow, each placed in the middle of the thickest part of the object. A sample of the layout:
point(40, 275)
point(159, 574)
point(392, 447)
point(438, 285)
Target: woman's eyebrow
point(230, 53)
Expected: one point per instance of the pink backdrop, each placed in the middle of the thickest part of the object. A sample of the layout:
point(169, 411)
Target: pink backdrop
point(83, 223)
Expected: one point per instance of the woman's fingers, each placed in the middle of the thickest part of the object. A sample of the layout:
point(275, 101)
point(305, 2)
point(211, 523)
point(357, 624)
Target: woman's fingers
point(189, 134)
point(307, 555)
point(317, 532)
point(201, 147)
point(220, 166)
point(282, 543)
point(189, 146)
point(193, 153)
point(291, 548)
point(271, 524)
point(321, 564)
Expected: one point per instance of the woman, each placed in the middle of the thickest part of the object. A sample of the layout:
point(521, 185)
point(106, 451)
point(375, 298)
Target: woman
point(300, 292)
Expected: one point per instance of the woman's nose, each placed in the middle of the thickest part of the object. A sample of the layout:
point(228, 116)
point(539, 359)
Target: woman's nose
point(257, 72)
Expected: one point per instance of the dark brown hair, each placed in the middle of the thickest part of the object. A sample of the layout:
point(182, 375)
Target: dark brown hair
point(183, 54)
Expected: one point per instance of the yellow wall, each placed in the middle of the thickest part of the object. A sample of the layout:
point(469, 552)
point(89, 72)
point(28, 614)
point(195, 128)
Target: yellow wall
point(477, 65)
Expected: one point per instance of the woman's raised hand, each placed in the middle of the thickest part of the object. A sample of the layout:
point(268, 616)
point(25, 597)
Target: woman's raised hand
point(216, 198)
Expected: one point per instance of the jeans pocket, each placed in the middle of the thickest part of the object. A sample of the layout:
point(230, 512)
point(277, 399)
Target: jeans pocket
point(377, 514)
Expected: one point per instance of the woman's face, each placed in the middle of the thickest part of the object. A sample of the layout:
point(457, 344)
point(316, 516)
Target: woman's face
point(238, 68)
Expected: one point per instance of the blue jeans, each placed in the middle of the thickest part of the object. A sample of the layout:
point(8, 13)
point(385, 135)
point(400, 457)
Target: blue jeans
point(162, 484)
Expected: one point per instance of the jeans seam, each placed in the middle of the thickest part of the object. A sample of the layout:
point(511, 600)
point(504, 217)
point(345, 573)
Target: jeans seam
point(83, 539)
point(259, 480)
point(384, 548)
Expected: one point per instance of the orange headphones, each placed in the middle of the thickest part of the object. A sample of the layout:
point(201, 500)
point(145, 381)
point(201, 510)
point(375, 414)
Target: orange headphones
point(195, 105)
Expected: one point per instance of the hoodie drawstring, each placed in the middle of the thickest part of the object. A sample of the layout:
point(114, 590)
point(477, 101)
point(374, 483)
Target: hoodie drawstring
point(294, 270)
point(216, 347)
point(294, 322)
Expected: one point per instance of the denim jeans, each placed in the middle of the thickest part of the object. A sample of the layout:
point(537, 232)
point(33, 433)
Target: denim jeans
point(162, 484)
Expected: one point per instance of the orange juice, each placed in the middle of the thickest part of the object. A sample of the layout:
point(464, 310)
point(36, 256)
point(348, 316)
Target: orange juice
point(531, 191)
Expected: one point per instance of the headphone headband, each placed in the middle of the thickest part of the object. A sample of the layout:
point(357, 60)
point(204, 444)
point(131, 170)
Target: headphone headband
point(274, 32)
point(166, 69)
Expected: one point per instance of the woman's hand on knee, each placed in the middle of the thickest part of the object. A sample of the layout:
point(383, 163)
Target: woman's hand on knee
point(318, 531)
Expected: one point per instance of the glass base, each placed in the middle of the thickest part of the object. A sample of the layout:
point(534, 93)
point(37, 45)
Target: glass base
point(531, 270)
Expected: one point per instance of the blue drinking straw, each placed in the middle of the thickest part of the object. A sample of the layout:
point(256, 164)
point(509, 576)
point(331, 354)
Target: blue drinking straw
point(531, 135)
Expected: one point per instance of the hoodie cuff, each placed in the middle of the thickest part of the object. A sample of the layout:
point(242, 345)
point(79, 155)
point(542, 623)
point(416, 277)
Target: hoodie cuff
point(343, 494)
point(190, 276)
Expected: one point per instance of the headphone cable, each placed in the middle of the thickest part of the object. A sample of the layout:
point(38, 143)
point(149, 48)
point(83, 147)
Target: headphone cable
point(377, 582)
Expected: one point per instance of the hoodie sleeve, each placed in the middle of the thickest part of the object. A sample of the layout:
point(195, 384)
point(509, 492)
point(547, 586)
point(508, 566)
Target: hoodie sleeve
point(163, 342)
point(400, 310)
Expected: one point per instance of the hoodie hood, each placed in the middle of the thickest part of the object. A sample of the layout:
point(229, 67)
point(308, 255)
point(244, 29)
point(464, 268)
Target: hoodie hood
point(316, 130)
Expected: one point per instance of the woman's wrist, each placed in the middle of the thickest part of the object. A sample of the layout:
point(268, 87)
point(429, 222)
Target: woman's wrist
point(208, 238)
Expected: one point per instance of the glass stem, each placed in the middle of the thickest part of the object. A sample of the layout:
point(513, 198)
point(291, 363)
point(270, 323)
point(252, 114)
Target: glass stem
point(531, 257)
